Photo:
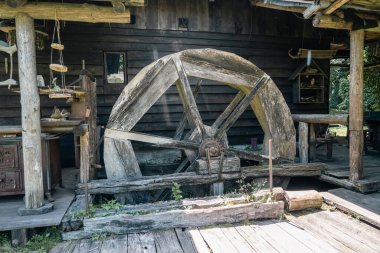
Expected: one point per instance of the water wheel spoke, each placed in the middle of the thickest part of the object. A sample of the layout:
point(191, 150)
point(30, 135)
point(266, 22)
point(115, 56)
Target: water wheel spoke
point(152, 139)
point(182, 123)
point(227, 112)
point(240, 108)
point(190, 107)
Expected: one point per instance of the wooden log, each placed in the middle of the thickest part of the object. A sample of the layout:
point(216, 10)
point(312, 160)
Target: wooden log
point(126, 223)
point(331, 22)
point(192, 203)
point(321, 118)
point(190, 178)
point(336, 181)
point(356, 104)
point(66, 12)
point(230, 164)
point(311, 10)
point(303, 142)
point(30, 110)
point(299, 200)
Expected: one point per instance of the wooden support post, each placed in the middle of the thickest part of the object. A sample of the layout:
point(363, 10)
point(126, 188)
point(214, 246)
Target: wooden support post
point(90, 87)
point(312, 144)
point(30, 111)
point(19, 236)
point(84, 157)
point(356, 104)
point(303, 142)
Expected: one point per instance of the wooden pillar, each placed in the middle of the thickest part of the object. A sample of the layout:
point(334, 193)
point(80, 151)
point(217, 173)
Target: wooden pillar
point(303, 134)
point(356, 104)
point(90, 87)
point(30, 112)
point(312, 143)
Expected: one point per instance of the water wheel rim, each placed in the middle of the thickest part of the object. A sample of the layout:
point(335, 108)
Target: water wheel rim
point(136, 99)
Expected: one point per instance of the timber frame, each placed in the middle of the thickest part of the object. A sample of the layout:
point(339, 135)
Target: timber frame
point(25, 12)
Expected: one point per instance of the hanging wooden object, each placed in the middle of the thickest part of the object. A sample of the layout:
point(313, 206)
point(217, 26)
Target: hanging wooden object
point(315, 54)
point(9, 50)
point(57, 46)
point(58, 68)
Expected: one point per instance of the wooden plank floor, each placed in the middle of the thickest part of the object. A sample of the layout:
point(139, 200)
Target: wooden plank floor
point(10, 220)
point(338, 168)
point(317, 232)
point(365, 206)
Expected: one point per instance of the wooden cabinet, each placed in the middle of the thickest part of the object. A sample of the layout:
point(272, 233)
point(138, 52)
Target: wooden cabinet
point(308, 85)
point(12, 167)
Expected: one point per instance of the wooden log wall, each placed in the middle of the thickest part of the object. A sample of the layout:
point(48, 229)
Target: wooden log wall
point(263, 36)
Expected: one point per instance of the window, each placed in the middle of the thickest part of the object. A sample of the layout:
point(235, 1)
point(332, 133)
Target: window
point(114, 67)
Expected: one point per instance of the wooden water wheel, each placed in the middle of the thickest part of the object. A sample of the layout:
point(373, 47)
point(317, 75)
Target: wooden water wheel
point(254, 87)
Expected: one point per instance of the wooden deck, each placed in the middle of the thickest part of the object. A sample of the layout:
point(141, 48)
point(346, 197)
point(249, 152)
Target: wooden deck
point(10, 220)
point(338, 169)
point(302, 232)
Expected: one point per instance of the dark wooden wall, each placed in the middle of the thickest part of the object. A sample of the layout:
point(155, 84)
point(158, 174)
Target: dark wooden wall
point(261, 35)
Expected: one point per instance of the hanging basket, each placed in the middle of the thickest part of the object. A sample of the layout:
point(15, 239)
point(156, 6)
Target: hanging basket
point(58, 68)
point(58, 46)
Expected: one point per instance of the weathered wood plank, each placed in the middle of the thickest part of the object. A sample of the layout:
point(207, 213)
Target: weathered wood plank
point(186, 240)
point(88, 245)
point(312, 242)
point(66, 12)
point(115, 245)
point(190, 178)
point(255, 239)
point(64, 247)
point(167, 242)
point(217, 240)
point(237, 240)
point(141, 243)
point(198, 242)
point(69, 223)
point(367, 208)
point(125, 223)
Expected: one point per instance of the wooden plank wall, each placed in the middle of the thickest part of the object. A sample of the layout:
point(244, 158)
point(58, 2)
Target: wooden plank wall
point(261, 35)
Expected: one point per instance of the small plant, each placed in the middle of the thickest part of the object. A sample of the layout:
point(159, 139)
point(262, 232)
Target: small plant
point(44, 241)
point(176, 191)
point(112, 205)
point(83, 214)
point(96, 237)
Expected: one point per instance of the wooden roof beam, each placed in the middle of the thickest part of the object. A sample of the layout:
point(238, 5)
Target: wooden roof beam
point(15, 3)
point(334, 6)
point(66, 12)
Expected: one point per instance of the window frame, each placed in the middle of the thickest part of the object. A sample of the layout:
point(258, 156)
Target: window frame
point(105, 70)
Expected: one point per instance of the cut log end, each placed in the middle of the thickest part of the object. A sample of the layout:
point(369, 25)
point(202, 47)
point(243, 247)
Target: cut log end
point(300, 200)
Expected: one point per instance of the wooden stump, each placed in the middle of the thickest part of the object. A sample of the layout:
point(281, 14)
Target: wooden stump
point(299, 200)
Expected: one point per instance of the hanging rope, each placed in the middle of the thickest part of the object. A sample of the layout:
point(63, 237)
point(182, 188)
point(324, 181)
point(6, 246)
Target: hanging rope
point(60, 67)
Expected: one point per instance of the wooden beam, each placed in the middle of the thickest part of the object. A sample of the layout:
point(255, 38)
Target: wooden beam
point(334, 6)
point(66, 12)
point(30, 111)
point(15, 3)
point(331, 22)
point(321, 118)
point(311, 10)
point(356, 104)
point(277, 7)
point(145, 183)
